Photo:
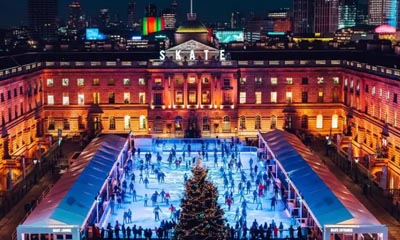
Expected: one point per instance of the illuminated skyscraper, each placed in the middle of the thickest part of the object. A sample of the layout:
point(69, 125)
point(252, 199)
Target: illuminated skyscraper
point(326, 16)
point(42, 16)
point(131, 14)
point(151, 10)
point(303, 16)
point(347, 13)
point(383, 12)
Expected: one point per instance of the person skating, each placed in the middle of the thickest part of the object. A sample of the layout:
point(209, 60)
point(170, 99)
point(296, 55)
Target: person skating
point(157, 211)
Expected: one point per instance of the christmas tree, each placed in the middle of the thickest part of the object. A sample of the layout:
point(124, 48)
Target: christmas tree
point(201, 216)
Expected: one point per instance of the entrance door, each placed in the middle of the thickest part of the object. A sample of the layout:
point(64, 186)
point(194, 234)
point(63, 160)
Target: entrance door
point(226, 125)
point(158, 125)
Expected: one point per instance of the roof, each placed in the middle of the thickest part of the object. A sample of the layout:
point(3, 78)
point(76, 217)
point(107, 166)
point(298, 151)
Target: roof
point(70, 200)
point(328, 199)
point(192, 26)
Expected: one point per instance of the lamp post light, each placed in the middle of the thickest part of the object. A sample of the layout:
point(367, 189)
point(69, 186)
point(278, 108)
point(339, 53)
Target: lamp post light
point(356, 168)
point(97, 201)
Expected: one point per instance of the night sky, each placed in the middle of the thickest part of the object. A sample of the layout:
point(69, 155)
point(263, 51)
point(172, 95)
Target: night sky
point(14, 12)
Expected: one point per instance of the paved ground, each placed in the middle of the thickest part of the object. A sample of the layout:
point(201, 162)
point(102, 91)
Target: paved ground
point(9, 223)
point(378, 211)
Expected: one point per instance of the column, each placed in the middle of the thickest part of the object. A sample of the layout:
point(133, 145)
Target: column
point(199, 82)
point(185, 90)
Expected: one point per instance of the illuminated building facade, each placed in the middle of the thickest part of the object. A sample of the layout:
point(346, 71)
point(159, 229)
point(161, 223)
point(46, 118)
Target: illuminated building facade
point(347, 13)
point(318, 93)
point(383, 12)
point(326, 16)
point(42, 18)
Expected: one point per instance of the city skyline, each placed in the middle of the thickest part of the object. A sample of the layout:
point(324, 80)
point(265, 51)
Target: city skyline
point(15, 13)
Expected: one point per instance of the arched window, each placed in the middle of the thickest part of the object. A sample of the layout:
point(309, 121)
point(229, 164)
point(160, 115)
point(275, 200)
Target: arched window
point(112, 123)
point(258, 122)
point(206, 124)
point(142, 122)
point(304, 122)
point(242, 124)
point(226, 124)
point(320, 121)
point(273, 122)
point(335, 121)
point(127, 122)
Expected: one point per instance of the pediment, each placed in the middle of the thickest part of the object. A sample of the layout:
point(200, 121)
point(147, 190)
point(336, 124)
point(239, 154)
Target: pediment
point(191, 45)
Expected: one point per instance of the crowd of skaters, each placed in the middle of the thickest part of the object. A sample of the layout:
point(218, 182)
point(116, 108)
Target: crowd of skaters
point(257, 180)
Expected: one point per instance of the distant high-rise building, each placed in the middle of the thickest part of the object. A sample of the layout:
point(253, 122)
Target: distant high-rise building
point(362, 12)
point(75, 20)
point(174, 6)
point(347, 13)
point(131, 14)
point(303, 16)
point(326, 16)
point(42, 15)
point(104, 18)
point(169, 17)
point(281, 20)
point(151, 10)
point(383, 12)
point(238, 21)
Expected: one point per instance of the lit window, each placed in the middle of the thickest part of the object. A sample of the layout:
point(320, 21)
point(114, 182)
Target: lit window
point(127, 122)
point(192, 97)
point(96, 98)
point(335, 121)
point(127, 82)
point(142, 122)
point(80, 81)
point(274, 81)
point(319, 121)
point(335, 80)
point(206, 81)
point(65, 99)
point(320, 80)
point(345, 82)
point(258, 97)
point(242, 98)
point(179, 97)
point(387, 95)
point(258, 80)
point(50, 82)
point(65, 82)
point(192, 80)
point(289, 80)
point(242, 123)
point(380, 92)
point(289, 97)
point(142, 81)
point(50, 99)
point(142, 98)
point(373, 90)
point(127, 98)
point(158, 81)
point(274, 97)
point(351, 84)
point(81, 99)
point(205, 97)
point(242, 81)
point(96, 82)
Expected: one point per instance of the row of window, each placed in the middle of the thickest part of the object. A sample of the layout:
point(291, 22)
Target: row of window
point(289, 97)
point(96, 98)
point(11, 93)
point(97, 124)
point(95, 82)
point(304, 122)
point(289, 80)
point(373, 90)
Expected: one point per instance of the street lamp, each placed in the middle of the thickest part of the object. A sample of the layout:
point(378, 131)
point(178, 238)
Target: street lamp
point(301, 208)
point(356, 168)
point(97, 201)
